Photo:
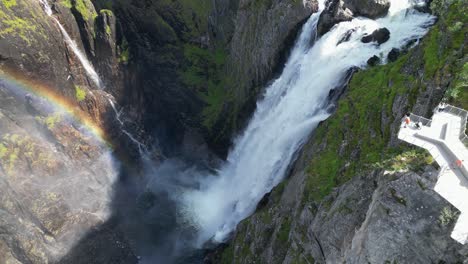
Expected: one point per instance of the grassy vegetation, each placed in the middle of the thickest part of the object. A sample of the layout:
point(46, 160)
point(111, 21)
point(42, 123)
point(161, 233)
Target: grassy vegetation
point(80, 93)
point(205, 75)
point(9, 3)
point(355, 137)
point(413, 160)
point(447, 216)
point(283, 233)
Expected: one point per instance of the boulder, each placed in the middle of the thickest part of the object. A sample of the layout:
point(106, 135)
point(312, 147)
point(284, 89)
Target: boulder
point(374, 60)
point(346, 36)
point(393, 55)
point(368, 8)
point(334, 13)
point(344, 10)
point(380, 36)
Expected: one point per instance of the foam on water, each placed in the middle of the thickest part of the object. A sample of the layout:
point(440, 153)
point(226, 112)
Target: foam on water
point(292, 107)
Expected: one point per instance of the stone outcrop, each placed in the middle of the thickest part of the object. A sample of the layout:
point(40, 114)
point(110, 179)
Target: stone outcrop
point(380, 36)
point(344, 10)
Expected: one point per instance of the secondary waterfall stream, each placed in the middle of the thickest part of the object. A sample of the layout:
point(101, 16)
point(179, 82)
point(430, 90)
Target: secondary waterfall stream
point(92, 74)
point(291, 108)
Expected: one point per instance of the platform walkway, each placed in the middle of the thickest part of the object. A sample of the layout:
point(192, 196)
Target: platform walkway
point(445, 139)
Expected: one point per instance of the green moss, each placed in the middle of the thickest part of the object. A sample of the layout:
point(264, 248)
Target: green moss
point(396, 197)
point(12, 159)
point(9, 3)
point(205, 75)
point(283, 233)
point(3, 150)
point(108, 30)
point(86, 9)
point(66, 3)
point(106, 12)
point(52, 120)
point(447, 216)
point(17, 26)
point(227, 256)
point(80, 93)
point(124, 50)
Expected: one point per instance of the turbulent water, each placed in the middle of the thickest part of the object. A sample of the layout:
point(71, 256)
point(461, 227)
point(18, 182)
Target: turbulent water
point(292, 107)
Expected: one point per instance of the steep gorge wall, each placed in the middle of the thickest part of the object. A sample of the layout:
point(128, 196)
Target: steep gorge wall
point(177, 67)
point(198, 66)
point(356, 194)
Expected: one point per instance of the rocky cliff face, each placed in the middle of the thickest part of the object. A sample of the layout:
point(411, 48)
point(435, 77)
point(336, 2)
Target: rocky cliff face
point(180, 70)
point(357, 194)
point(200, 65)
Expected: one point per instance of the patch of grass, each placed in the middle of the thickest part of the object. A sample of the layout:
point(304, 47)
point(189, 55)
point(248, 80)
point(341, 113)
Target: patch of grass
point(80, 93)
point(447, 216)
point(413, 159)
point(457, 94)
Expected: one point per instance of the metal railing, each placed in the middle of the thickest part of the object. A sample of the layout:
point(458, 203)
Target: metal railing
point(458, 112)
point(424, 121)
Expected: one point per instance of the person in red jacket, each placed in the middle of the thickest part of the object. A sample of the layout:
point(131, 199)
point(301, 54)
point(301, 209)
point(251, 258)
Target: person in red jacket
point(407, 120)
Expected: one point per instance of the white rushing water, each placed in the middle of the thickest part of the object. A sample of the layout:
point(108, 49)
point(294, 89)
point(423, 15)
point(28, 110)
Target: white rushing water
point(292, 107)
point(92, 74)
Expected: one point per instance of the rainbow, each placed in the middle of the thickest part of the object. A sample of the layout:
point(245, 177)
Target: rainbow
point(16, 80)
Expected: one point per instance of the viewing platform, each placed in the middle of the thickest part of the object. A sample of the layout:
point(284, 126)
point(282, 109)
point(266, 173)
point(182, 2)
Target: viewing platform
point(445, 139)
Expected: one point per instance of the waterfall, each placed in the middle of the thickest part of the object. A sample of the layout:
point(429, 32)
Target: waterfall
point(92, 74)
point(142, 150)
point(291, 108)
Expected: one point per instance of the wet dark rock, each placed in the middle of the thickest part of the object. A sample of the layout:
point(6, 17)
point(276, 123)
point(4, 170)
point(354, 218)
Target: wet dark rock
point(423, 6)
point(393, 55)
point(368, 8)
point(374, 60)
point(346, 36)
point(334, 12)
point(380, 36)
point(344, 10)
